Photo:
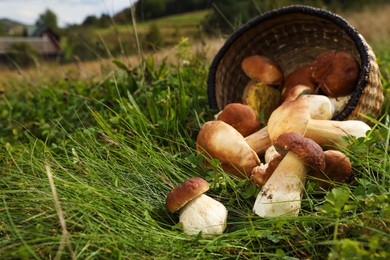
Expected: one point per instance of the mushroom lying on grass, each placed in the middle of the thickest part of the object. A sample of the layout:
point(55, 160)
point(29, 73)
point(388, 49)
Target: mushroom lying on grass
point(337, 170)
point(282, 193)
point(198, 212)
point(219, 140)
point(294, 116)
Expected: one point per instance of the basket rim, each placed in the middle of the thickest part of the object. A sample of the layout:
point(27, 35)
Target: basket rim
point(360, 45)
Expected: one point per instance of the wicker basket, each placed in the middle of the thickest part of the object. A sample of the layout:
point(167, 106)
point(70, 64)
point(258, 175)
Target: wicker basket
point(293, 36)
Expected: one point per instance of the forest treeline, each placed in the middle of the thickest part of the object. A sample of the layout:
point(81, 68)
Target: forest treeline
point(85, 41)
point(225, 13)
point(150, 9)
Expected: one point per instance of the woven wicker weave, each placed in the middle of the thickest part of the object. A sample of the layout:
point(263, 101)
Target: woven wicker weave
point(293, 36)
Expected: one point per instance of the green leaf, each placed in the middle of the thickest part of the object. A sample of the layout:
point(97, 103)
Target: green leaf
point(335, 201)
point(120, 65)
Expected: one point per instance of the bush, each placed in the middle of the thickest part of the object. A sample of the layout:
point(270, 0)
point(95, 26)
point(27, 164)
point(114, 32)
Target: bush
point(154, 39)
point(22, 54)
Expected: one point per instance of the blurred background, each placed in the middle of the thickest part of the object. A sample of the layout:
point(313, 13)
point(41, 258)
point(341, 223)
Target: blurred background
point(78, 31)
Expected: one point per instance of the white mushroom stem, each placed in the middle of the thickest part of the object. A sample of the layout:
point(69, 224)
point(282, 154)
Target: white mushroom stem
point(330, 132)
point(320, 106)
point(203, 214)
point(282, 193)
point(270, 154)
point(294, 116)
point(339, 103)
point(259, 141)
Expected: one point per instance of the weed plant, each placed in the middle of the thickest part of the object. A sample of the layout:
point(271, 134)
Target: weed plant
point(86, 169)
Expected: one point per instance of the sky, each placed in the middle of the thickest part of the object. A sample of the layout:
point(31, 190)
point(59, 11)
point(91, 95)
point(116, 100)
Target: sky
point(67, 11)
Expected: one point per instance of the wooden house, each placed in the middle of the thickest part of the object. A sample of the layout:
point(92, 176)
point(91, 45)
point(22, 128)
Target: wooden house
point(44, 41)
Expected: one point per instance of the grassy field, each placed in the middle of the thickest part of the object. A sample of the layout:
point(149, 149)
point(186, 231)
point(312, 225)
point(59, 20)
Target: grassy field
point(170, 23)
point(89, 152)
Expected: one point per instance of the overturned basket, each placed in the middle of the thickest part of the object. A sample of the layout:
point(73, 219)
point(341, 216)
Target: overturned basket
point(293, 36)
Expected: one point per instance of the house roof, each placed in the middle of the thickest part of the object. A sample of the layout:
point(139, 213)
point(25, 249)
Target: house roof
point(44, 45)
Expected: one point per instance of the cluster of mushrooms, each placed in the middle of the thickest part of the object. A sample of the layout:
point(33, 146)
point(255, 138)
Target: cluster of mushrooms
point(299, 141)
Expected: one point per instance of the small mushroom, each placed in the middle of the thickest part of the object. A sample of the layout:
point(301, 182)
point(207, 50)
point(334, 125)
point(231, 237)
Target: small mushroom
point(262, 69)
point(337, 170)
point(242, 117)
point(282, 193)
point(198, 212)
point(219, 140)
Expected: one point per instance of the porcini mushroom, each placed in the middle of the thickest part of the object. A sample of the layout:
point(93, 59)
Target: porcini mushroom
point(242, 117)
point(198, 212)
point(294, 116)
point(337, 170)
point(335, 72)
point(219, 140)
point(282, 193)
point(315, 106)
point(262, 69)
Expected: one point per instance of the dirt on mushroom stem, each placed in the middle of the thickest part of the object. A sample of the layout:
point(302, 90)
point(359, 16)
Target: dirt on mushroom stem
point(282, 193)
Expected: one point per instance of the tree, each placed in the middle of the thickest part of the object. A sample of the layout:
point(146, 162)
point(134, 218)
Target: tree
point(105, 21)
point(147, 9)
point(90, 20)
point(154, 38)
point(228, 15)
point(48, 20)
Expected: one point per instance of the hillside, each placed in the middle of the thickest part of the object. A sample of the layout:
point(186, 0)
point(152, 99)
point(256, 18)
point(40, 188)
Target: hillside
point(10, 27)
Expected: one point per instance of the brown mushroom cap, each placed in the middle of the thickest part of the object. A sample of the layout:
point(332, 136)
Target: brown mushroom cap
point(338, 169)
point(296, 91)
point(335, 72)
point(304, 148)
point(186, 192)
point(262, 69)
point(242, 117)
point(300, 76)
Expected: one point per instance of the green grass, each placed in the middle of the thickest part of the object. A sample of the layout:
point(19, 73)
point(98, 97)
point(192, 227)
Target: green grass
point(192, 19)
point(86, 168)
point(172, 27)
